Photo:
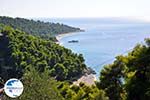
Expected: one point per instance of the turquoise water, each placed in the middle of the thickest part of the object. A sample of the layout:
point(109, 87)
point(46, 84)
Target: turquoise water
point(103, 39)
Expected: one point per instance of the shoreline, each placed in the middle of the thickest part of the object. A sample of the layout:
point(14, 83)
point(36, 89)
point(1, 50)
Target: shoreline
point(62, 35)
point(88, 78)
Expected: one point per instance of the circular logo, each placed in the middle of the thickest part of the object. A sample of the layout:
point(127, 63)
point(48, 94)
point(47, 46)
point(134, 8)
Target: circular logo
point(13, 88)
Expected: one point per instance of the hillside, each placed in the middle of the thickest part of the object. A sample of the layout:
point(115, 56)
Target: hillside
point(47, 70)
point(45, 30)
point(19, 51)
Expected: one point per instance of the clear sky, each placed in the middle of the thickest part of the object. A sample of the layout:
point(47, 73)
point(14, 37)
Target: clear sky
point(76, 8)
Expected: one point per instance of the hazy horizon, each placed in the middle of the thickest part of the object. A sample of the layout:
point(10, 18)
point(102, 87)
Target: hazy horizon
point(135, 9)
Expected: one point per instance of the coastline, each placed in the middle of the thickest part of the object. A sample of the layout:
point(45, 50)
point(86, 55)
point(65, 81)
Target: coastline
point(62, 35)
point(88, 78)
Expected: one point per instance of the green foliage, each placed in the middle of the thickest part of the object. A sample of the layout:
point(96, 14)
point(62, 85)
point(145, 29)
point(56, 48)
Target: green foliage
point(20, 50)
point(21, 54)
point(111, 78)
point(81, 92)
point(34, 60)
point(38, 28)
point(39, 86)
point(138, 84)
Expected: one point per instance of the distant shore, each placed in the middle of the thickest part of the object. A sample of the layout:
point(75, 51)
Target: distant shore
point(60, 36)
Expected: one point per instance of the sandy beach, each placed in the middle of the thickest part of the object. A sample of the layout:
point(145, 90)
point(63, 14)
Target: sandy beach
point(60, 36)
point(87, 79)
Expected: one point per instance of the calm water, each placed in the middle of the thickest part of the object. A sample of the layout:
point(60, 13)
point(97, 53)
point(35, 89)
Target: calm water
point(104, 39)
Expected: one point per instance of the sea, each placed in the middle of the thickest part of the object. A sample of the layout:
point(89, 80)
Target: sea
point(103, 38)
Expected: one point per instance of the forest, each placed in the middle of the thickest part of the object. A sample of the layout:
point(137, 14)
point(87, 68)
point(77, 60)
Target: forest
point(46, 30)
point(48, 69)
point(19, 51)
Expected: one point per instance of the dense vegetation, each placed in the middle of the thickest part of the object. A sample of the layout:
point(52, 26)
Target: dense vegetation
point(38, 28)
point(19, 51)
point(41, 64)
point(81, 92)
point(45, 68)
point(38, 86)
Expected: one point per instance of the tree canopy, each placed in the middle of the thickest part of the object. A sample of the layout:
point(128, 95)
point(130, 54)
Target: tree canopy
point(19, 51)
point(47, 68)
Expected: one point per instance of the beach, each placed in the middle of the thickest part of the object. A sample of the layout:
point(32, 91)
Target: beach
point(60, 36)
point(87, 79)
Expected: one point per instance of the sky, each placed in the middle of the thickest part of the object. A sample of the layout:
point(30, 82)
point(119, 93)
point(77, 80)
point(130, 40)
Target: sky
point(138, 9)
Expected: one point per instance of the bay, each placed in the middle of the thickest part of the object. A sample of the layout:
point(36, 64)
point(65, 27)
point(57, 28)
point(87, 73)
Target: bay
point(104, 38)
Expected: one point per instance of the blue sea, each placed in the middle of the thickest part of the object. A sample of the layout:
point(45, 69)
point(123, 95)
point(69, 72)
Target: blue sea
point(104, 38)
